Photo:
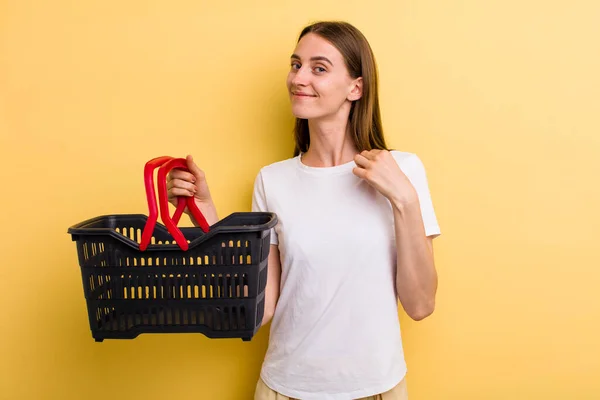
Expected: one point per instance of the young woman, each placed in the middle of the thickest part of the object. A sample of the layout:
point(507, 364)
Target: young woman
point(355, 231)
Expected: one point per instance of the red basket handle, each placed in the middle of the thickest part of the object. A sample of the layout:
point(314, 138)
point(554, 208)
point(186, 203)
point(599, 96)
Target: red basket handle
point(165, 164)
point(151, 198)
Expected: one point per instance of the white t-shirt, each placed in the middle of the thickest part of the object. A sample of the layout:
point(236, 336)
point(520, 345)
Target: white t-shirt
point(335, 333)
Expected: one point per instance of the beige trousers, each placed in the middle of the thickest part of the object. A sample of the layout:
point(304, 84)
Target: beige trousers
point(399, 392)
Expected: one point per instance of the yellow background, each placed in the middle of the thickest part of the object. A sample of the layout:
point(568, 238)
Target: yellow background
point(499, 98)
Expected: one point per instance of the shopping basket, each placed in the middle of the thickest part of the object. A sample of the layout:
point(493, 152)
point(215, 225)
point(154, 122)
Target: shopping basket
point(140, 276)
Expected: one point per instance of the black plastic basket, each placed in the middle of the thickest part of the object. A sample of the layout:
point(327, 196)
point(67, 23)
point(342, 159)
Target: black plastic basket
point(216, 287)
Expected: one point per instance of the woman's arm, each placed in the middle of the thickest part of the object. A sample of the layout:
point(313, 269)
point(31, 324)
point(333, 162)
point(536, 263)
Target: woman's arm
point(273, 284)
point(416, 277)
point(207, 209)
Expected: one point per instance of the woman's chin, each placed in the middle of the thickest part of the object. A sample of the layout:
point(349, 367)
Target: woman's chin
point(303, 114)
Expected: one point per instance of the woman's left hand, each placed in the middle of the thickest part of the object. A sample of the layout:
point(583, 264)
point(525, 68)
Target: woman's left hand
point(381, 171)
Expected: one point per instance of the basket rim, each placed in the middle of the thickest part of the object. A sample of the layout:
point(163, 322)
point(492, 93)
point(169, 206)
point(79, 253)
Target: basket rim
point(83, 229)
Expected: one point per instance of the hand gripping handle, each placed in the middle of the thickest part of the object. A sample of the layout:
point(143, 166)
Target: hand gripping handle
point(166, 164)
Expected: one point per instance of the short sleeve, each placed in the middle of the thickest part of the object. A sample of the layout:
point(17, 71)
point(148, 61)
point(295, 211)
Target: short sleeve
point(415, 172)
point(260, 204)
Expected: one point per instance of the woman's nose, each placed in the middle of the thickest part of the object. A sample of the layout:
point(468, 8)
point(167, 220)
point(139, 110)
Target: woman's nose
point(301, 77)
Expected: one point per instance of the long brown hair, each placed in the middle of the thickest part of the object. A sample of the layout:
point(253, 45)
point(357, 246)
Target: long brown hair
point(365, 118)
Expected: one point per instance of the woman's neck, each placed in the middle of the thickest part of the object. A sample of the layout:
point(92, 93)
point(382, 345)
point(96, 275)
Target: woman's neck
point(330, 144)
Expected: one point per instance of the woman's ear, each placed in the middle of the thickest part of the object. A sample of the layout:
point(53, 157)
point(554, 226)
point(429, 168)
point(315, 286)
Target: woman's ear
point(357, 89)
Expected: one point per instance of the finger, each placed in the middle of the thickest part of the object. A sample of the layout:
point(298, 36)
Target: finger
point(176, 192)
point(369, 154)
point(362, 161)
point(179, 184)
point(194, 169)
point(182, 175)
point(360, 172)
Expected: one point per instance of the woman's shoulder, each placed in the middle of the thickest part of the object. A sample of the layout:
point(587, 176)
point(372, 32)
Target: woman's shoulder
point(281, 164)
point(404, 156)
point(409, 162)
point(279, 167)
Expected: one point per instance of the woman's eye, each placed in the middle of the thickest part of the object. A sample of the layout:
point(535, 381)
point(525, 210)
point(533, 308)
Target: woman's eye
point(320, 69)
point(295, 66)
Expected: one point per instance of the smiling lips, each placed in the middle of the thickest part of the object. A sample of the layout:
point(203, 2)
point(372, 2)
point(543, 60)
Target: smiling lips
point(302, 94)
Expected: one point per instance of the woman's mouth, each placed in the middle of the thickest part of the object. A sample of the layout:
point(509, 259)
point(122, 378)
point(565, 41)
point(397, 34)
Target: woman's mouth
point(301, 94)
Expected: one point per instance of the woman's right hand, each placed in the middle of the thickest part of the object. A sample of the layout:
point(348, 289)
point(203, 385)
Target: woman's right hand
point(191, 183)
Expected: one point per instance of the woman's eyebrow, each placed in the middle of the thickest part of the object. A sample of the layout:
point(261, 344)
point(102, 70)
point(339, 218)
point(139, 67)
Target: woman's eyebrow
point(317, 58)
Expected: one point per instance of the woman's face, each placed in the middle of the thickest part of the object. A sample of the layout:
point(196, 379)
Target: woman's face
point(318, 83)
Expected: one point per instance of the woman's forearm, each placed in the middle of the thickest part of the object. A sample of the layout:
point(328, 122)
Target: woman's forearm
point(209, 210)
point(416, 277)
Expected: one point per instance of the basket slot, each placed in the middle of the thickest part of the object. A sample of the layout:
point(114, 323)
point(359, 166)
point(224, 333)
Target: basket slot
point(133, 287)
point(130, 233)
point(127, 283)
point(147, 317)
point(221, 317)
point(177, 287)
point(160, 317)
point(232, 320)
point(216, 320)
point(190, 287)
point(167, 292)
point(93, 254)
point(123, 321)
point(130, 319)
point(167, 288)
point(238, 317)
point(175, 316)
point(142, 288)
point(160, 286)
point(233, 253)
point(138, 288)
point(182, 288)
point(200, 316)
point(195, 288)
point(243, 318)
point(225, 319)
point(223, 280)
point(105, 318)
point(185, 314)
point(193, 317)
point(153, 318)
point(202, 286)
point(115, 319)
point(100, 286)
